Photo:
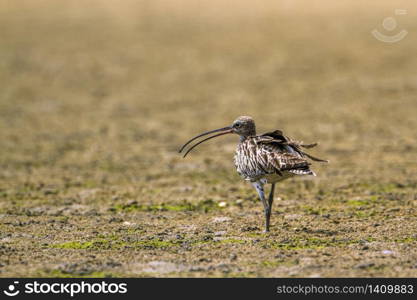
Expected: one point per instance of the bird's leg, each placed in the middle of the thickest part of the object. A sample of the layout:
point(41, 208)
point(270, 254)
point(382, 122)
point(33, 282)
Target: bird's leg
point(271, 195)
point(267, 210)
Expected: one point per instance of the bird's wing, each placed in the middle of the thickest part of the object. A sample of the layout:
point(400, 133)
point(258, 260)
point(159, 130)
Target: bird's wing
point(279, 139)
point(278, 153)
point(276, 157)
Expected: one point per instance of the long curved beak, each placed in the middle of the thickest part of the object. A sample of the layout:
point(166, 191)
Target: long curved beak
point(224, 130)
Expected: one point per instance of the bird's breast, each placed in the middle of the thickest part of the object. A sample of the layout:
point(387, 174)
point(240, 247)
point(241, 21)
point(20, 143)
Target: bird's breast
point(246, 160)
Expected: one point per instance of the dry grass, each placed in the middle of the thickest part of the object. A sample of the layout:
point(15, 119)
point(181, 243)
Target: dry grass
point(96, 99)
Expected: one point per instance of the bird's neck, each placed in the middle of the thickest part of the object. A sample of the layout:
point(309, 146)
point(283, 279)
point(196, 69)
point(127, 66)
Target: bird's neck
point(245, 137)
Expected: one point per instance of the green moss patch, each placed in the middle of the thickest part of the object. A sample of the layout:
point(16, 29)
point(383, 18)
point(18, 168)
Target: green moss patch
point(203, 206)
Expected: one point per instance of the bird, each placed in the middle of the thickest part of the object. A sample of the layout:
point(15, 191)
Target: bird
point(263, 159)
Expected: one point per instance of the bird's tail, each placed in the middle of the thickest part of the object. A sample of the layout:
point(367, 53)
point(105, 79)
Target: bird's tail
point(308, 146)
point(302, 172)
point(314, 158)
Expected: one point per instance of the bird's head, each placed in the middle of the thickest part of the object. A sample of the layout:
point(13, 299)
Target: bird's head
point(244, 126)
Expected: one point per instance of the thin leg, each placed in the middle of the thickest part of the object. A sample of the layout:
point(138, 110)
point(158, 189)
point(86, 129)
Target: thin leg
point(271, 195)
point(267, 210)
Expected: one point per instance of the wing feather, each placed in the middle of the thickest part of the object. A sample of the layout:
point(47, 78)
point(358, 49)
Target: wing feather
point(272, 153)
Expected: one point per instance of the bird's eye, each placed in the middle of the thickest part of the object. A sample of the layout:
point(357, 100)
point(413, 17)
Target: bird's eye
point(237, 125)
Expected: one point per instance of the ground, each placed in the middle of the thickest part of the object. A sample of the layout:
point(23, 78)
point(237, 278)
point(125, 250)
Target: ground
point(96, 100)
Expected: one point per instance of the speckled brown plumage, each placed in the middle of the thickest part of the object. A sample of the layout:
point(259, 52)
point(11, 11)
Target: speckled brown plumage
point(272, 156)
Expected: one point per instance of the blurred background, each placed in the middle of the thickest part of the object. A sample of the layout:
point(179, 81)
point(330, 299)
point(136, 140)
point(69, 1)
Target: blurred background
point(97, 96)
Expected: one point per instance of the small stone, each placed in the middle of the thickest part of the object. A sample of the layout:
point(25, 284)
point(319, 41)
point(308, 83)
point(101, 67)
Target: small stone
point(207, 238)
point(115, 220)
point(222, 204)
point(221, 219)
point(364, 265)
point(249, 228)
point(220, 233)
point(292, 217)
point(224, 268)
point(204, 259)
point(50, 191)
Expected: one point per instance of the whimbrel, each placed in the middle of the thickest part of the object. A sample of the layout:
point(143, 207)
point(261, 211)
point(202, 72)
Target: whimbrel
point(262, 159)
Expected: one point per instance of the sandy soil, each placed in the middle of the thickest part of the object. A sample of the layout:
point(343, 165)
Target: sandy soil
point(96, 100)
